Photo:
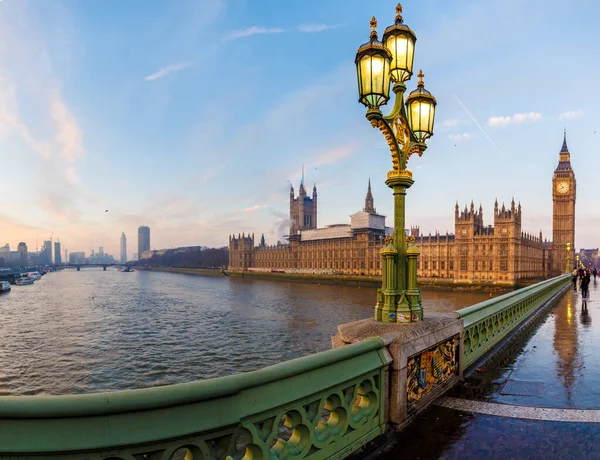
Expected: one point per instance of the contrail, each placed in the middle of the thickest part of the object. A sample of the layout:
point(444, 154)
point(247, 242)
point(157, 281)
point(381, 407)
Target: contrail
point(479, 126)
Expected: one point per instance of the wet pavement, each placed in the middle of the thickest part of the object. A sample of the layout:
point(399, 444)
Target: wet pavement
point(540, 402)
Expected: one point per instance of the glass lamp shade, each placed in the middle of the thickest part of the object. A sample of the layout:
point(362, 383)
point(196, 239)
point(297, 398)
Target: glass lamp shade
point(420, 107)
point(400, 40)
point(373, 71)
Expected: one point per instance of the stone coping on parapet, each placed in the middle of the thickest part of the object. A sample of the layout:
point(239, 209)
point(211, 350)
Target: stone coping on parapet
point(374, 281)
point(394, 332)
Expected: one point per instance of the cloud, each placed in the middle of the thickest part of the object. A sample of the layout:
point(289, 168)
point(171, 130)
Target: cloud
point(256, 207)
point(570, 114)
point(312, 28)
point(255, 30)
point(460, 137)
point(68, 134)
point(332, 156)
point(516, 118)
point(452, 123)
point(168, 70)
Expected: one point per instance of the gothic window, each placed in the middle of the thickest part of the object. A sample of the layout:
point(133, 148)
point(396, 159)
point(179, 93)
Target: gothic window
point(477, 265)
point(463, 265)
point(503, 265)
point(434, 265)
point(426, 265)
point(451, 265)
point(443, 265)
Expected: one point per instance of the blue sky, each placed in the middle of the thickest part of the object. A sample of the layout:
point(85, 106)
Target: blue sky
point(192, 116)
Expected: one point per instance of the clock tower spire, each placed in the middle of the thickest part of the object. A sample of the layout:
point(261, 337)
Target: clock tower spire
point(563, 210)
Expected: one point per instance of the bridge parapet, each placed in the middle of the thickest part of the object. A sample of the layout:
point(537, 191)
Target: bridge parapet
point(320, 406)
point(488, 322)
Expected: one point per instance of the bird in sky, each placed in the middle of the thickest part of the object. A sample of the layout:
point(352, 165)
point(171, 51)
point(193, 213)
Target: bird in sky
point(106, 210)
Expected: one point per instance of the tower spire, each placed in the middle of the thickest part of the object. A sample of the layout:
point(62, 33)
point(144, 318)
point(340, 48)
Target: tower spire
point(369, 202)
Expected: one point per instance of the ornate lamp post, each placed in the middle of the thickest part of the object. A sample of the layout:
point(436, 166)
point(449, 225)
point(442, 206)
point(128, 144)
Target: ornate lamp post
point(568, 261)
point(406, 129)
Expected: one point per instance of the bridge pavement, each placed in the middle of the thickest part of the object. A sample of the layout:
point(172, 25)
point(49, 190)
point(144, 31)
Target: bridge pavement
point(541, 400)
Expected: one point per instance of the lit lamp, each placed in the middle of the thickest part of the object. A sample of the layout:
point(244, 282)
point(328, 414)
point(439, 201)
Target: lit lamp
point(405, 129)
point(420, 105)
point(400, 40)
point(373, 71)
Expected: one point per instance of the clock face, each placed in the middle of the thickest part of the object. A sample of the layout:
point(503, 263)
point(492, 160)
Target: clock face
point(562, 187)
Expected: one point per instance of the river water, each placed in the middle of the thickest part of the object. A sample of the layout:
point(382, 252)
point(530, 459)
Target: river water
point(94, 330)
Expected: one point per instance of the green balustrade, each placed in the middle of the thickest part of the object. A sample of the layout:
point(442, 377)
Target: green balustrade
point(320, 406)
point(488, 322)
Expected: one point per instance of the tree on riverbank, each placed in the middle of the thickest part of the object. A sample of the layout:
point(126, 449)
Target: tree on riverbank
point(196, 257)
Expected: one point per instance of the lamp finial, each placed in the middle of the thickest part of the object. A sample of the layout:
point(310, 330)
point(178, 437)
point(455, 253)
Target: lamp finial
point(399, 13)
point(373, 25)
point(420, 75)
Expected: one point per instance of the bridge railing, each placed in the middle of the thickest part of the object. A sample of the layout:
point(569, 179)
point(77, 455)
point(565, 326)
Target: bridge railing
point(488, 322)
point(315, 407)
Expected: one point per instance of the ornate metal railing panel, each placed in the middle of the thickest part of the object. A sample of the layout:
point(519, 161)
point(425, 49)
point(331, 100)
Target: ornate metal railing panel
point(488, 322)
point(320, 406)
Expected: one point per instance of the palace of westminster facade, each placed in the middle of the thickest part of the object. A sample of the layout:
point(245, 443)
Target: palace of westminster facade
point(501, 254)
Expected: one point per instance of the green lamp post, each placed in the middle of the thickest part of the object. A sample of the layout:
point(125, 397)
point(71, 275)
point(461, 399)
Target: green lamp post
point(406, 129)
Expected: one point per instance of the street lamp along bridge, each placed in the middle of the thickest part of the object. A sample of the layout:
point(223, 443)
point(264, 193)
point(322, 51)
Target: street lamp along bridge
point(406, 129)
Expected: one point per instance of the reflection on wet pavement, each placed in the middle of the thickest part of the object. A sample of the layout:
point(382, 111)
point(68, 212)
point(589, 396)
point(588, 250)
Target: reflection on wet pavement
point(453, 435)
point(560, 360)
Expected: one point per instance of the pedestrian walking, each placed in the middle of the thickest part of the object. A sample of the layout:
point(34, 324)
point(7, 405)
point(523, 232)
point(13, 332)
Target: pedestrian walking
point(585, 284)
point(575, 273)
point(594, 272)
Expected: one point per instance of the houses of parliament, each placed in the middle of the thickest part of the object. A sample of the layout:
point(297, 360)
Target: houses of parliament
point(502, 254)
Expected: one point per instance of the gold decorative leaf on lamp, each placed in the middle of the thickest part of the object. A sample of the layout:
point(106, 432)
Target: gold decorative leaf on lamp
point(400, 40)
point(373, 70)
point(420, 105)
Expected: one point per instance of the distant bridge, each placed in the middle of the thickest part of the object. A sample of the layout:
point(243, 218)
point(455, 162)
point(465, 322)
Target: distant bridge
point(79, 266)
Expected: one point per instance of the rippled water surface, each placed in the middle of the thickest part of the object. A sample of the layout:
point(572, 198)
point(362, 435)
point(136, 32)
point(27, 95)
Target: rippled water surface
point(93, 330)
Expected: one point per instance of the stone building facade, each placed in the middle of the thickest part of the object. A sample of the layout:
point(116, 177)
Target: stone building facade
point(502, 253)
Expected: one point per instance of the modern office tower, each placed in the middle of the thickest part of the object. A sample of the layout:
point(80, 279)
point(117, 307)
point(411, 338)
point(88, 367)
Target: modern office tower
point(57, 256)
point(46, 253)
point(123, 248)
point(143, 240)
point(22, 249)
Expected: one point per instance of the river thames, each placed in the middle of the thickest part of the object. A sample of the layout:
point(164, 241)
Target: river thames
point(93, 330)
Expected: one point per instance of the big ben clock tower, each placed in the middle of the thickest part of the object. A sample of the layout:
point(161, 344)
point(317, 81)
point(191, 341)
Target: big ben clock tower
point(563, 213)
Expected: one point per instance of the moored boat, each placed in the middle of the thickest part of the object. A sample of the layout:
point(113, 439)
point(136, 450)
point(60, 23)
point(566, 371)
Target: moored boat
point(23, 280)
point(4, 286)
point(35, 275)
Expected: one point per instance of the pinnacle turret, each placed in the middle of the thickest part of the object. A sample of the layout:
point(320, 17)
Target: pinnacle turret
point(369, 202)
point(564, 148)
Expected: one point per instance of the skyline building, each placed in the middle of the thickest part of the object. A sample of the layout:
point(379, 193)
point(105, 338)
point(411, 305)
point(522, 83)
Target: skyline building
point(22, 250)
point(46, 253)
point(143, 240)
point(57, 255)
point(123, 248)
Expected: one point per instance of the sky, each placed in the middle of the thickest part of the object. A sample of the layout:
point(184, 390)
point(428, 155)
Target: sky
point(193, 117)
